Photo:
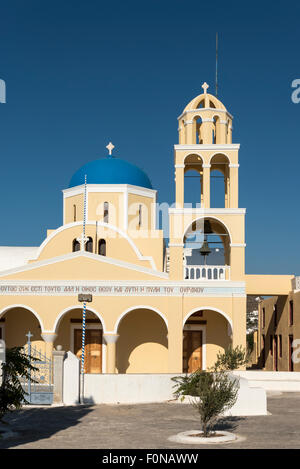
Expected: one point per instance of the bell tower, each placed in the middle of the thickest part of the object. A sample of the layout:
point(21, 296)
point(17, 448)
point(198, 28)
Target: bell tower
point(205, 147)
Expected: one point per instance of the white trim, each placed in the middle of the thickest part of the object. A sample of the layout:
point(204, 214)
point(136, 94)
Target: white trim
point(206, 165)
point(207, 119)
point(104, 225)
point(95, 257)
point(231, 165)
point(7, 308)
point(199, 327)
point(176, 245)
point(89, 326)
point(207, 211)
point(213, 146)
point(211, 308)
point(110, 188)
point(238, 245)
point(179, 165)
point(70, 308)
point(132, 308)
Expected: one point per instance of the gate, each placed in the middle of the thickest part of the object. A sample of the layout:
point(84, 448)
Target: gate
point(39, 386)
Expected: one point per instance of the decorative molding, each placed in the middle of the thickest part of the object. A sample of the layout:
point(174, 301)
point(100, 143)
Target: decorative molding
point(110, 188)
point(233, 165)
point(89, 255)
point(208, 211)
point(110, 337)
point(205, 109)
point(238, 245)
point(176, 245)
point(179, 165)
point(214, 146)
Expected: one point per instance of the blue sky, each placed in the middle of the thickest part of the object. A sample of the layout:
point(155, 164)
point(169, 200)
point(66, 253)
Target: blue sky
point(80, 74)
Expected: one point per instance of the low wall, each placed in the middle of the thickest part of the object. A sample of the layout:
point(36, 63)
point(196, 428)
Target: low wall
point(283, 381)
point(128, 388)
point(146, 388)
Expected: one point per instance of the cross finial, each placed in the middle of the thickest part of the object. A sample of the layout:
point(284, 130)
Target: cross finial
point(82, 240)
point(205, 86)
point(110, 147)
point(29, 335)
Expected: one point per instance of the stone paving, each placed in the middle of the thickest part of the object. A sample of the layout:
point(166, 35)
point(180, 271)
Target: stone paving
point(148, 426)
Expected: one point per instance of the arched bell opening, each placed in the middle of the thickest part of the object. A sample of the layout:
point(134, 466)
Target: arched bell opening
point(206, 251)
point(193, 180)
point(219, 181)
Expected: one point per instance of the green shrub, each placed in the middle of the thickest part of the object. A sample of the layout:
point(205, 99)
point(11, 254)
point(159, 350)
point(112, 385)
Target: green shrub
point(12, 394)
point(231, 359)
point(213, 392)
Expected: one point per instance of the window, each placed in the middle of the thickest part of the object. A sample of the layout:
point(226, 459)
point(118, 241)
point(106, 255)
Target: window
point(280, 346)
point(105, 212)
point(89, 245)
point(275, 315)
point(102, 247)
point(74, 212)
point(75, 245)
point(263, 351)
point(263, 317)
point(291, 363)
point(291, 313)
point(140, 215)
point(271, 345)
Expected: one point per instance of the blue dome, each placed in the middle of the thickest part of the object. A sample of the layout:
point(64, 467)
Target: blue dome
point(110, 171)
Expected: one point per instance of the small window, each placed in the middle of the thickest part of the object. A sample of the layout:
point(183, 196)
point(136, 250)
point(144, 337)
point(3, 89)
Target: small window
point(275, 315)
point(291, 313)
point(74, 212)
point(105, 212)
point(89, 245)
point(140, 215)
point(280, 346)
point(263, 317)
point(102, 247)
point(76, 245)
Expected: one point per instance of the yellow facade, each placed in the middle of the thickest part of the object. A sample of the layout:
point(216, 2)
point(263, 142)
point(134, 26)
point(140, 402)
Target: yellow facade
point(145, 292)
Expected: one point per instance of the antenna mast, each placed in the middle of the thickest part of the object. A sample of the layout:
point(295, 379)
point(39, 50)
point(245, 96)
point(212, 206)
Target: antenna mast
point(216, 65)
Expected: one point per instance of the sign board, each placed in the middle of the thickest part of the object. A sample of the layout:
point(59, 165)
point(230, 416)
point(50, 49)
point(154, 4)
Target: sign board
point(85, 297)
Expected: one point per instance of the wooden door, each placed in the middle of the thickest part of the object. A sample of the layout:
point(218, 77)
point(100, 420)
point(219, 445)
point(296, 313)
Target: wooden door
point(192, 351)
point(93, 349)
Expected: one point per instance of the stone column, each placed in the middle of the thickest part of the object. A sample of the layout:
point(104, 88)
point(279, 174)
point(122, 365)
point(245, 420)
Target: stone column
point(49, 338)
point(179, 183)
point(58, 375)
point(206, 185)
point(111, 340)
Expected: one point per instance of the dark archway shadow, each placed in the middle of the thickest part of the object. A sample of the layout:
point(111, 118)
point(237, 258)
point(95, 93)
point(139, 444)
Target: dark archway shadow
point(34, 424)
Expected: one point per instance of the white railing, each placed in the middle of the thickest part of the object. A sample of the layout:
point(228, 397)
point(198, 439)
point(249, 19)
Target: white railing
point(206, 272)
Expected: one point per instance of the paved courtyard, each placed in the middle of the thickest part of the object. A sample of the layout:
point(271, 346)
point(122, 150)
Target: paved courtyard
point(148, 426)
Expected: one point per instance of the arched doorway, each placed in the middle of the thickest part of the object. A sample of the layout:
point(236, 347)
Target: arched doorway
point(206, 332)
point(15, 323)
point(69, 336)
point(142, 346)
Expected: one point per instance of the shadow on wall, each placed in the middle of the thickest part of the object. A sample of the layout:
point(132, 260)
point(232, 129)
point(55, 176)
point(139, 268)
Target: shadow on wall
point(143, 345)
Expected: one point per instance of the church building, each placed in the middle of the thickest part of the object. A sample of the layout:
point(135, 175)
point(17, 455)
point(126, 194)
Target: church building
point(160, 303)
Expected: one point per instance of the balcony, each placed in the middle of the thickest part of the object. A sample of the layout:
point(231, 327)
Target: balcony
point(206, 272)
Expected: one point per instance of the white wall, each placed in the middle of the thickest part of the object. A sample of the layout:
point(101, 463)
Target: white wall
point(283, 381)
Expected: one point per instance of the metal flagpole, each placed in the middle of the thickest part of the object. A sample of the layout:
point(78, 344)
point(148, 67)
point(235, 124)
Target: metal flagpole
point(216, 65)
point(84, 306)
